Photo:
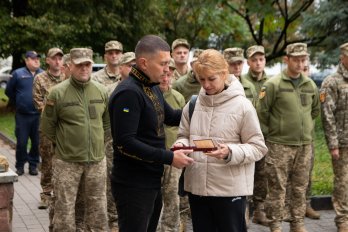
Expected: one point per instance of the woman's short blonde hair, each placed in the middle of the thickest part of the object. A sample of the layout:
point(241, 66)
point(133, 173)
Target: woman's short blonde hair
point(211, 62)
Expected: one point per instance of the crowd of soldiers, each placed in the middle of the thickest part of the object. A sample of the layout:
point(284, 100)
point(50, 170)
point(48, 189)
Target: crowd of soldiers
point(77, 187)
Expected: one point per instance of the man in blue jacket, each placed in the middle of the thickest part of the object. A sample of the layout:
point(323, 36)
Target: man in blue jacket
point(19, 91)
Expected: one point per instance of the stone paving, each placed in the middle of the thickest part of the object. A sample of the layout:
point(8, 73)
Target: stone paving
point(27, 218)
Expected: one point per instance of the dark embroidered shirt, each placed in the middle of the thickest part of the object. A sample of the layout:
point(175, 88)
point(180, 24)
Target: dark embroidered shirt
point(137, 113)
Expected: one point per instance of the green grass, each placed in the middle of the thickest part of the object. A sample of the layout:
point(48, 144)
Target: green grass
point(7, 119)
point(322, 176)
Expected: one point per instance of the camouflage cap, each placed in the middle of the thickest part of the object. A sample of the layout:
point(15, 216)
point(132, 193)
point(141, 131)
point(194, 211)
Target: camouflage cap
point(180, 42)
point(254, 49)
point(80, 55)
point(127, 57)
point(172, 63)
point(297, 49)
point(196, 53)
point(233, 54)
point(113, 45)
point(54, 51)
point(66, 59)
point(344, 49)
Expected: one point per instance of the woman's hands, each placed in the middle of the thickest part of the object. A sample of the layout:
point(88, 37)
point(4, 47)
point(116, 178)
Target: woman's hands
point(221, 153)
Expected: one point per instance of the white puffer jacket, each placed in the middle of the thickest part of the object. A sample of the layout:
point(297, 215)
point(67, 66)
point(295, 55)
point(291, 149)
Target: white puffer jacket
point(229, 118)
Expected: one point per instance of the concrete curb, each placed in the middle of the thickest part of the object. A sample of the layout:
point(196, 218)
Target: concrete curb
point(8, 140)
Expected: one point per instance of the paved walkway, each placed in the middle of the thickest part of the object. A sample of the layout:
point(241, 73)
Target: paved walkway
point(27, 218)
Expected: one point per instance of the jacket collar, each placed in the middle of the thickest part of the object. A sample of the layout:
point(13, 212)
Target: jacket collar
point(141, 77)
point(79, 84)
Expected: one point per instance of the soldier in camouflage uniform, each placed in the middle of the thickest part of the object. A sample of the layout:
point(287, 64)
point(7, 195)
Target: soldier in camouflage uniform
point(257, 76)
point(235, 60)
point(180, 54)
point(334, 101)
point(110, 73)
point(126, 62)
point(288, 104)
point(109, 76)
point(66, 62)
point(170, 221)
point(188, 85)
point(75, 122)
point(42, 83)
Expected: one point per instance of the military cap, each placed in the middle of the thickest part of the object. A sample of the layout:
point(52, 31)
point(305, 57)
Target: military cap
point(172, 63)
point(344, 49)
point(32, 54)
point(127, 57)
point(233, 54)
point(80, 55)
point(66, 59)
point(113, 45)
point(54, 51)
point(254, 49)
point(180, 42)
point(297, 49)
point(196, 53)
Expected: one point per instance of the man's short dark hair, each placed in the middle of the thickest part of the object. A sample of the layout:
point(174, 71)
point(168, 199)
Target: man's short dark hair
point(151, 44)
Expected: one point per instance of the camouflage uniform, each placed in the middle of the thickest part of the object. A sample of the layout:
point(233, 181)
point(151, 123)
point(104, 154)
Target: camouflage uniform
point(170, 221)
point(260, 180)
point(286, 112)
point(104, 77)
point(42, 83)
point(188, 85)
point(232, 55)
point(334, 99)
point(76, 122)
point(176, 43)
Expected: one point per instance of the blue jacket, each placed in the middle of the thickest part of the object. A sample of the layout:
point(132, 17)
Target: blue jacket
point(20, 90)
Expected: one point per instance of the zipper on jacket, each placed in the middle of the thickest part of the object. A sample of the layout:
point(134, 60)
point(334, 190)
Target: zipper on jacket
point(88, 124)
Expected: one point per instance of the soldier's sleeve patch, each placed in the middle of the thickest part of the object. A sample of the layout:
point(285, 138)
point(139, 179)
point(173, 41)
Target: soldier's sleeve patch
point(50, 102)
point(322, 97)
point(262, 93)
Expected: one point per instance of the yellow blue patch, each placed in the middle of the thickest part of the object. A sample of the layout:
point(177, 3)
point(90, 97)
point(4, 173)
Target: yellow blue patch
point(126, 110)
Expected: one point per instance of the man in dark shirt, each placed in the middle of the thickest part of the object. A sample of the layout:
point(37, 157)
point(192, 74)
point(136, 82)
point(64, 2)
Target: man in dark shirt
point(137, 113)
point(19, 91)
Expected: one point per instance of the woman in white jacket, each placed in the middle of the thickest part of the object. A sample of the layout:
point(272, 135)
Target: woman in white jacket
point(219, 181)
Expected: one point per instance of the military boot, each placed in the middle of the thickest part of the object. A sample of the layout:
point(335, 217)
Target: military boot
point(259, 216)
point(311, 213)
point(297, 228)
point(342, 228)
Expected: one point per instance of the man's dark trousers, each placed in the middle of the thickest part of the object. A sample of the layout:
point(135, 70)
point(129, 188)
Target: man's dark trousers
point(27, 126)
point(138, 209)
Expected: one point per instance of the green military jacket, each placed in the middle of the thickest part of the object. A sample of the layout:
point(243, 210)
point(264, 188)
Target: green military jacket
point(249, 90)
point(257, 84)
point(334, 102)
point(74, 118)
point(187, 85)
point(286, 111)
point(103, 77)
point(176, 101)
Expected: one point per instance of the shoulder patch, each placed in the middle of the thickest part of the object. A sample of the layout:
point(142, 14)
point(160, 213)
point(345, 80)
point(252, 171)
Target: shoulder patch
point(322, 97)
point(262, 93)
